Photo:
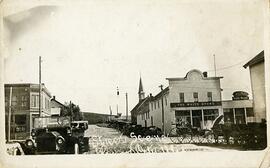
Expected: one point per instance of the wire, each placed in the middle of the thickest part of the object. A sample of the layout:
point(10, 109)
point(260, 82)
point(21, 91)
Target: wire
point(230, 66)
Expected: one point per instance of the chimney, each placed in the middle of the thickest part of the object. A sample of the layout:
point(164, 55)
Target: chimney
point(205, 74)
point(53, 97)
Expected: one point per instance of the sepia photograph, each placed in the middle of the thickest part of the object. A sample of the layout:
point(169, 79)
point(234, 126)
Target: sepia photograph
point(143, 78)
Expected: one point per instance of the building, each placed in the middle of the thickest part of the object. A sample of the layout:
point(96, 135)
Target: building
point(257, 77)
point(239, 110)
point(56, 107)
point(21, 106)
point(194, 99)
point(141, 107)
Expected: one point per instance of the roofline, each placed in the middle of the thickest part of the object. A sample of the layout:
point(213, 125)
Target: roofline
point(205, 78)
point(28, 85)
point(159, 94)
point(58, 102)
point(255, 60)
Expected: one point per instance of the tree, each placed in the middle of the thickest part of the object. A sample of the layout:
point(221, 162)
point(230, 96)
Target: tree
point(72, 110)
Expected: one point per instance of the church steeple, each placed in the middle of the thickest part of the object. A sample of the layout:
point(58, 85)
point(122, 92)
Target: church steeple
point(141, 92)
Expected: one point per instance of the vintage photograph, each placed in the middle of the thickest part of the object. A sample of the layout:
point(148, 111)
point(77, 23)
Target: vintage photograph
point(122, 77)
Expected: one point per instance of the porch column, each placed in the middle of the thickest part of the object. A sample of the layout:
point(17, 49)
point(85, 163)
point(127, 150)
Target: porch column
point(191, 122)
point(245, 114)
point(202, 120)
point(234, 121)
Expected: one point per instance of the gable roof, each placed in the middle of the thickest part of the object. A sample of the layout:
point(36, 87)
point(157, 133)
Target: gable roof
point(257, 59)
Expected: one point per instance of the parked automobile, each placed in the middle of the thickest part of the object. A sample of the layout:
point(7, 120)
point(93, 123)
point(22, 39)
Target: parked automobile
point(153, 131)
point(57, 135)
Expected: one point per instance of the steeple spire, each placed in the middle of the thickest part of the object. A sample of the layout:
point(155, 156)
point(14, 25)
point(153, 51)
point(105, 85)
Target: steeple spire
point(141, 92)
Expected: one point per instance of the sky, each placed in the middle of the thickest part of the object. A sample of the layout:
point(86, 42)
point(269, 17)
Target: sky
point(90, 49)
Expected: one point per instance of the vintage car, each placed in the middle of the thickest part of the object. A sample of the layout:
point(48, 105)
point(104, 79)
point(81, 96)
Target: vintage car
point(57, 135)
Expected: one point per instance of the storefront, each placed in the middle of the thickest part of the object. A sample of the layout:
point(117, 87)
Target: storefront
point(200, 117)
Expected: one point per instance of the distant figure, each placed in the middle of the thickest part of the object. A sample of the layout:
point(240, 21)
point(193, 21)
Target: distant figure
point(227, 129)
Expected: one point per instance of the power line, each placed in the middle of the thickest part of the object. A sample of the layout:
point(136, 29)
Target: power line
point(230, 66)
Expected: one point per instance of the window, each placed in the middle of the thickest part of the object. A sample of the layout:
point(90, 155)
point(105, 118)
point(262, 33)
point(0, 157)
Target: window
point(152, 106)
point(195, 96)
point(20, 119)
point(14, 101)
point(182, 97)
point(228, 115)
point(209, 96)
point(210, 114)
point(23, 101)
point(142, 116)
point(155, 104)
point(166, 101)
point(158, 103)
point(35, 101)
point(250, 112)
point(6, 101)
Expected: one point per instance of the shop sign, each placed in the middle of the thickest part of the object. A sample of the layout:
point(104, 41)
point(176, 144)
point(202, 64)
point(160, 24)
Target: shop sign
point(196, 104)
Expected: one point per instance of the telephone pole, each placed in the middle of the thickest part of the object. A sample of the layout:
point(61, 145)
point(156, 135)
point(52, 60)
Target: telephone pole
point(162, 110)
point(127, 106)
point(215, 66)
point(39, 109)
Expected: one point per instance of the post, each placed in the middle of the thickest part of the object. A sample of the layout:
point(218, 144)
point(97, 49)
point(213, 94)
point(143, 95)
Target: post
point(110, 118)
point(39, 86)
point(117, 93)
point(215, 66)
point(162, 110)
point(9, 113)
point(234, 119)
point(245, 115)
point(127, 106)
point(71, 111)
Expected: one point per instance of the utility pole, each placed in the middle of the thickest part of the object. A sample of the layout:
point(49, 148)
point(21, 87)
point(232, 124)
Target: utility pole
point(127, 106)
point(117, 93)
point(215, 66)
point(110, 114)
point(39, 86)
point(71, 110)
point(162, 110)
point(9, 113)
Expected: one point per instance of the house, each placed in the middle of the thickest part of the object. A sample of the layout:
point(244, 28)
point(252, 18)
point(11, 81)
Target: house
point(257, 78)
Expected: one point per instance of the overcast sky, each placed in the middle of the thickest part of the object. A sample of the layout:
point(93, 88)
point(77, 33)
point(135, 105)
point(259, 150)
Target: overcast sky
point(89, 50)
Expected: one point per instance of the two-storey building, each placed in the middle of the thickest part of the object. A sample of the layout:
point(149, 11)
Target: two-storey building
point(21, 106)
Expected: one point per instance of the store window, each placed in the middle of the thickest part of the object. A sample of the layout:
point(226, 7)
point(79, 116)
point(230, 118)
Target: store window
point(20, 119)
point(209, 96)
point(250, 112)
point(195, 96)
point(228, 115)
point(182, 116)
point(182, 97)
point(240, 116)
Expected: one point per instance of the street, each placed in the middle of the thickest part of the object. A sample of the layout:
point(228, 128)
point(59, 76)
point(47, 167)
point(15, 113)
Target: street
point(108, 140)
